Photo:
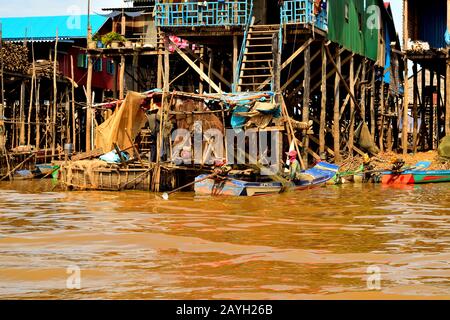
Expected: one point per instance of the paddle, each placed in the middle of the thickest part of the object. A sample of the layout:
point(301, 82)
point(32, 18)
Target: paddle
point(165, 195)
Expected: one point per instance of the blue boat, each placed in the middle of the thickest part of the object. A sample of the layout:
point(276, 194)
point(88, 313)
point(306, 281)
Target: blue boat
point(229, 186)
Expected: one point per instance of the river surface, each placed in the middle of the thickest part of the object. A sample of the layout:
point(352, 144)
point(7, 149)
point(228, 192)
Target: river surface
point(351, 241)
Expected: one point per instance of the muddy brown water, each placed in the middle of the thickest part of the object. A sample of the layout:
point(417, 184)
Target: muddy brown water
point(352, 241)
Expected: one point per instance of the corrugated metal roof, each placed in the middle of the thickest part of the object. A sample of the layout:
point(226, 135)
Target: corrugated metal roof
point(44, 28)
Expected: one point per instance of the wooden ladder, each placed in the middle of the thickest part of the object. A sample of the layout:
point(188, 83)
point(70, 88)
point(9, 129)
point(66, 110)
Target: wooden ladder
point(257, 62)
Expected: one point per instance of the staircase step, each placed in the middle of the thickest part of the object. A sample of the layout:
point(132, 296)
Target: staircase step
point(257, 76)
point(259, 53)
point(253, 31)
point(254, 61)
point(257, 68)
point(254, 84)
point(260, 38)
point(259, 45)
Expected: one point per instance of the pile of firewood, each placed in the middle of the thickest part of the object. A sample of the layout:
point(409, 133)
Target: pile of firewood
point(15, 57)
point(44, 68)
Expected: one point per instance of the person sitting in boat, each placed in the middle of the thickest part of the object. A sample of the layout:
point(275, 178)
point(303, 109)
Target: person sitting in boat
point(294, 166)
point(397, 164)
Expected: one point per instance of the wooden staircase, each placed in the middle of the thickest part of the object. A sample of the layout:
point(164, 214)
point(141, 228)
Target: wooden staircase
point(257, 64)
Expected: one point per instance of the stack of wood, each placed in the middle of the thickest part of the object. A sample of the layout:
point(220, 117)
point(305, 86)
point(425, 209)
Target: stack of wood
point(44, 68)
point(15, 57)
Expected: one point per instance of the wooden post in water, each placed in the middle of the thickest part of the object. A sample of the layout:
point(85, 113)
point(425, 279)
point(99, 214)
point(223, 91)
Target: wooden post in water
point(336, 109)
point(306, 98)
point(351, 134)
point(74, 135)
point(363, 90)
point(323, 103)
point(447, 81)
point(38, 111)
point(55, 96)
point(89, 103)
point(382, 112)
point(22, 114)
point(405, 110)
point(372, 103)
point(415, 113)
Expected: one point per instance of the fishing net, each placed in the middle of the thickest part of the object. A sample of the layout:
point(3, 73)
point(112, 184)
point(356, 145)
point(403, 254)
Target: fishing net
point(444, 147)
point(128, 118)
point(366, 140)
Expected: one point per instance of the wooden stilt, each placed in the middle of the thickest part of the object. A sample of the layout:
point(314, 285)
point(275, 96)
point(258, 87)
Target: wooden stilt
point(202, 69)
point(306, 99)
point(74, 133)
point(323, 104)
point(415, 113)
point(38, 117)
point(351, 134)
point(33, 82)
point(447, 97)
point(363, 90)
point(382, 116)
point(336, 118)
point(235, 58)
point(22, 114)
point(372, 104)
point(55, 97)
point(89, 105)
point(405, 123)
point(122, 77)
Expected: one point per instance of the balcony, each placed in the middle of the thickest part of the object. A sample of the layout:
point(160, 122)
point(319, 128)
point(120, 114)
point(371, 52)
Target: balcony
point(302, 12)
point(203, 14)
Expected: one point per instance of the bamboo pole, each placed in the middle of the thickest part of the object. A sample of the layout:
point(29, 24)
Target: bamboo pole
point(122, 77)
point(382, 112)
point(33, 83)
point(323, 106)
point(74, 136)
point(405, 110)
point(38, 110)
point(336, 118)
point(55, 96)
point(306, 98)
point(415, 115)
point(22, 114)
point(202, 69)
point(351, 134)
point(363, 90)
point(372, 104)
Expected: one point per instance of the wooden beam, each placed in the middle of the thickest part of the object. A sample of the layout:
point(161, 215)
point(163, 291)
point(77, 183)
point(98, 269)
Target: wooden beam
point(213, 71)
point(306, 98)
point(372, 104)
point(336, 122)
point(329, 74)
point(296, 53)
point(196, 68)
point(405, 110)
point(323, 102)
point(351, 134)
point(415, 113)
point(286, 63)
point(298, 72)
point(352, 89)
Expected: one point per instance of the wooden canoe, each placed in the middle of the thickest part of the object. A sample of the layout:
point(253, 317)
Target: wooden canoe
point(230, 186)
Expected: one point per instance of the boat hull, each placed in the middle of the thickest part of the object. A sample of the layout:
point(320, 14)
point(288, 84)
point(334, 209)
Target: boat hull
point(317, 176)
point(417, 177)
